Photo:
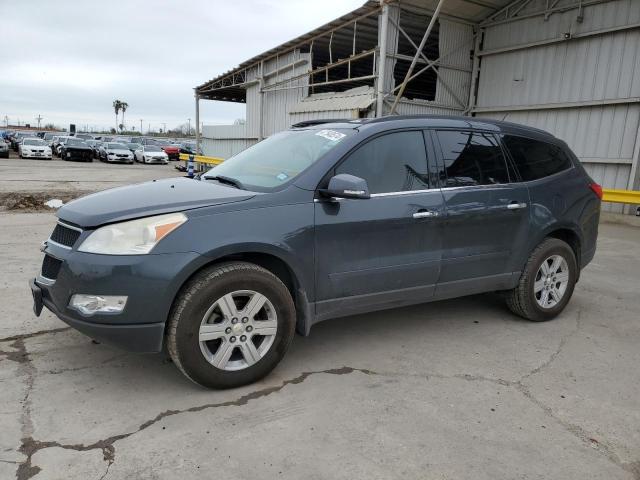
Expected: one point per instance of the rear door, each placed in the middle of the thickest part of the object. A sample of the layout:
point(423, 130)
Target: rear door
point(384, 250)
point(487, 212)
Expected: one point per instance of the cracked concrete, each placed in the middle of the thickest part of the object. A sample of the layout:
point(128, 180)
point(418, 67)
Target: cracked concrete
point(455, 389)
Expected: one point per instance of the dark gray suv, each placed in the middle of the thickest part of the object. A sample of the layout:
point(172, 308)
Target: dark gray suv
point(321, 221)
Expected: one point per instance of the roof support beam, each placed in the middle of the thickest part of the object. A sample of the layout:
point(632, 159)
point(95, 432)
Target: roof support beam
point(382, 59)
point(403, 85)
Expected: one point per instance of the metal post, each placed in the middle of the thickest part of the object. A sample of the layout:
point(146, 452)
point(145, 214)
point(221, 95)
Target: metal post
point(635, 168)
point(382, 59)
point(197, 124)
point(475, 71)
point(415, 57)
point(261, 100)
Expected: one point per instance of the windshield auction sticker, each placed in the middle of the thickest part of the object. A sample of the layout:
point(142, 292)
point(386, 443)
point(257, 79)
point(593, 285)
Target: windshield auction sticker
point(331, 135)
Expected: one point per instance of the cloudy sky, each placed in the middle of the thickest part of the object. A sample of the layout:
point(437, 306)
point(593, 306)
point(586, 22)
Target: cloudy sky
point(68, 59)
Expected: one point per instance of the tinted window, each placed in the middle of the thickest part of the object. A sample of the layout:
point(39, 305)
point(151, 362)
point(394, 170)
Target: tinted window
point(395, 162)
point(535, 159)
point(471, 158)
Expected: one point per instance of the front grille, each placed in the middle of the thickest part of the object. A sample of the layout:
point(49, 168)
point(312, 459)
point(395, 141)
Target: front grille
point(64, 235)
point(51, 267)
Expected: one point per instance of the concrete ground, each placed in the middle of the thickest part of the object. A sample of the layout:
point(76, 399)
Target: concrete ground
point(459, 389)
point(29, 175)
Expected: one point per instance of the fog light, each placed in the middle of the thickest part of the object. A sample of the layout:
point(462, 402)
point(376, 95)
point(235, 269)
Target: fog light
point(91, 304)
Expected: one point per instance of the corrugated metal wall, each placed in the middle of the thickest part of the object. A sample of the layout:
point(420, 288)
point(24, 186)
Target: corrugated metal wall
point(454, 76)
point(584, 91)
point(454, 73)
point(225, 140)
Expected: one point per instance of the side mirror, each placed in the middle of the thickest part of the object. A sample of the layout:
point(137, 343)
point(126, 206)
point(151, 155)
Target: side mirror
point(346, 186)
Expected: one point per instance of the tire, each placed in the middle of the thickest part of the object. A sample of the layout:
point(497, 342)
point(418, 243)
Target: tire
point(200, 299)
point(524, 301)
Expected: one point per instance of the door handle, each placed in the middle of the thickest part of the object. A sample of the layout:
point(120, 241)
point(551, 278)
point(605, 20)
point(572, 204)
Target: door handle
point(425, 214)
point(516, 205)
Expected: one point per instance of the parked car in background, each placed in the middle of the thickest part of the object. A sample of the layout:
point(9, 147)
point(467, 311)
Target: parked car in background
point(34, 148)
point(4, 148)
point(75, 149)
point(150, 154)
point(188, 148)
point(132, 146)
point(17, 138)
point(172, 150)
point(58, 143)
point(112, 152)
point(95, 146)
point(84, 136)
point(48, 136)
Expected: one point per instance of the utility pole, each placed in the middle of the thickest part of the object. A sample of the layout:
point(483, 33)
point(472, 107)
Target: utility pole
point(140, 126)
point(189, 127)
point(39, 117)
point(164, 127)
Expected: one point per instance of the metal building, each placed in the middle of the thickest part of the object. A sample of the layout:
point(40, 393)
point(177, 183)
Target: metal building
point(571, 67)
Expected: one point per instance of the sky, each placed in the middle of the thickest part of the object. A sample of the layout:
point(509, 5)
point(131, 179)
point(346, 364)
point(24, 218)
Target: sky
point(67, 60)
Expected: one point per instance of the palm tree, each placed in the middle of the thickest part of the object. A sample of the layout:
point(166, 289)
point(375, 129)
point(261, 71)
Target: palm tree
point(123, 107)
point(117, 106)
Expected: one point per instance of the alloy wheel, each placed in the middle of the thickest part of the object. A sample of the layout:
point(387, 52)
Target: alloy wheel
point(238, 330)
point(551, 281)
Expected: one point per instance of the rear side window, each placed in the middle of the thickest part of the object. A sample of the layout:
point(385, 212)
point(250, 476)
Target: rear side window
point(535, 159)
point(471, 158)
point(395, 162)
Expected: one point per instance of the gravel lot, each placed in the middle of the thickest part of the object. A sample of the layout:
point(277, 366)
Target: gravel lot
point(55, 178)
point(459, 389)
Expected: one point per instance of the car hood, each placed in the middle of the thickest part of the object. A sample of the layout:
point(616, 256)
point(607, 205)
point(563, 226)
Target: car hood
point(76, 147)
point(145, 199)
point(119, 150)
point(171, 149)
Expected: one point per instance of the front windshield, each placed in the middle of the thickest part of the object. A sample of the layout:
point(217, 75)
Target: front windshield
point(116, 146)
point(35, 143)
point(280, 158)
point(152, 148)
point(73, 142)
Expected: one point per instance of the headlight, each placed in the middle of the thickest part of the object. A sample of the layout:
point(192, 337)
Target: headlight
point(134, 237)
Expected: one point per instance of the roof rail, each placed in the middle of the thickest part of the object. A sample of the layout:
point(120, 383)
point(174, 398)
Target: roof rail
point(310, 123)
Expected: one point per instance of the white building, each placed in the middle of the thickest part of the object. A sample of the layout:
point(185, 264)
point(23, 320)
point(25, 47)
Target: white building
point(571, 67)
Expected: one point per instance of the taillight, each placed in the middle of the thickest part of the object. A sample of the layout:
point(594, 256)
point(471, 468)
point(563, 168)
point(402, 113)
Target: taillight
point(597, 189)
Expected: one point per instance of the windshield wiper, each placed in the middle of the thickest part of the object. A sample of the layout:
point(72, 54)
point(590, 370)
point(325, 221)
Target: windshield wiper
point(231, 181)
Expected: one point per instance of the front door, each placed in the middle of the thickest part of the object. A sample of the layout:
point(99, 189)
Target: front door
point(487, 212)
point(385, 250)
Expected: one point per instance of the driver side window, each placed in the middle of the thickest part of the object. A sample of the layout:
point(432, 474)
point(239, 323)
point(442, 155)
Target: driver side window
point(394, 162)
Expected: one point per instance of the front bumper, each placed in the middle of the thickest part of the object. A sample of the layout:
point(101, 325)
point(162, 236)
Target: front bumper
point(119, 159)
point(143, 338)
point(150, 282)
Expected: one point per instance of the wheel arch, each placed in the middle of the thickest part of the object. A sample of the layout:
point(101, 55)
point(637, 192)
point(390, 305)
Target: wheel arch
point(273, 261)
point(568, 233)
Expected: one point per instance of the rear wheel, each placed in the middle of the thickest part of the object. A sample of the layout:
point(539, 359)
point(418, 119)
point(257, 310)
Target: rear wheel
point(547, 282)
point(230, 325)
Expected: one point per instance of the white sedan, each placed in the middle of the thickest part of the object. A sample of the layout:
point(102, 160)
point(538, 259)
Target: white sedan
point(151, 154)
point(34, 148)
point(115, 152)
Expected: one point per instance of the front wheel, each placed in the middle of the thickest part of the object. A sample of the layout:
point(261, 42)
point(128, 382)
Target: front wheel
point(547, 282)
point(230, 325)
